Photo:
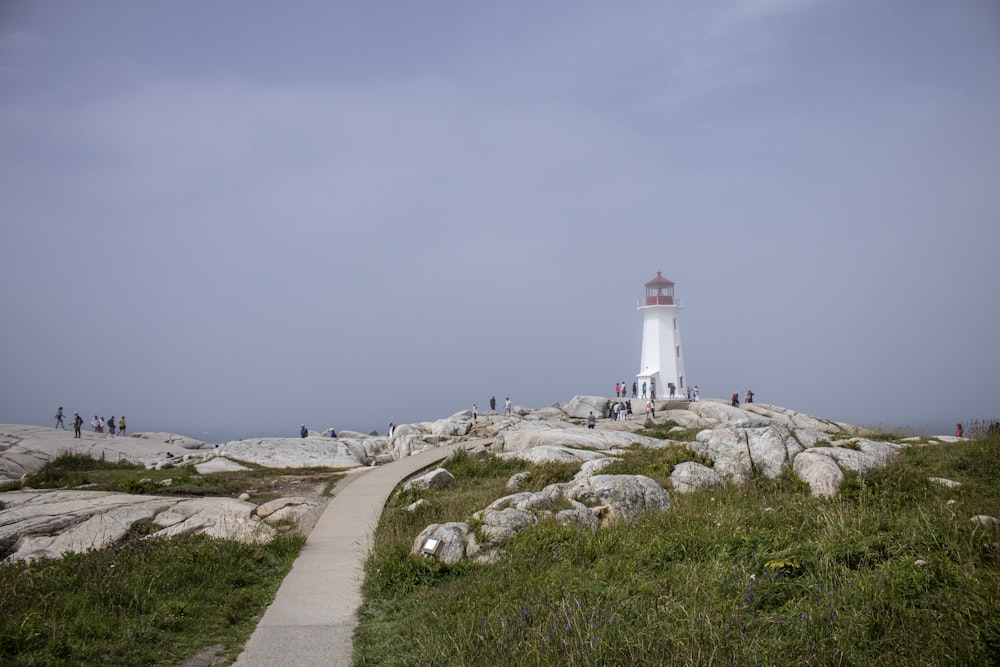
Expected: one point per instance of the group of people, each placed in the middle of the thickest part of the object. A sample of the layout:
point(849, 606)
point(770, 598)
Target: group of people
point(304, 432)
point(621, 389)
point(649, 390)
point(618, 411)
point(507, 407)
point(98, 424)
point(747, 398)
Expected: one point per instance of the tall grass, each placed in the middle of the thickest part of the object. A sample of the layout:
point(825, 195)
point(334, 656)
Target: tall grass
point(890, 573)
point(139, 602)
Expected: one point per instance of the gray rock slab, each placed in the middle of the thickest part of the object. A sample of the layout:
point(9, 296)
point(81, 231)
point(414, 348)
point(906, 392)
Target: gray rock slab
point(295, 452)
point(25, 449)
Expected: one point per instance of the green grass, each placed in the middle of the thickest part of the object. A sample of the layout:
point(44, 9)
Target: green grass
point(762, 574)
point(140, 602)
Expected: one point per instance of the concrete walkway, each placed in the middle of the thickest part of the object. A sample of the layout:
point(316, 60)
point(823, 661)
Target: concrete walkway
point(313, 616)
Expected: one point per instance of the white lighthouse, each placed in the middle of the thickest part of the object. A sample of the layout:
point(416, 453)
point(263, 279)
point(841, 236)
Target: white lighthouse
point(662, 361)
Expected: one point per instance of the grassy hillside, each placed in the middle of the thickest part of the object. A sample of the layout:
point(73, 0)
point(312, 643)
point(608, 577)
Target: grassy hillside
point(893, 572)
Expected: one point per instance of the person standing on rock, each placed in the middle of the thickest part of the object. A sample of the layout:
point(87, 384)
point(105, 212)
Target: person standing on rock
point(392, 429)
point(475, 411)
point(696, 392)
point(749, 397)
point(111, 425)
point(303, 431)
point(650, 410)
point(635, 389)
point(493, 405)
point(618, 390)
point(506, 407)
point(591, 420)
point(59, 419)
point(736, 399)
point(77, 424)
point(121, 425)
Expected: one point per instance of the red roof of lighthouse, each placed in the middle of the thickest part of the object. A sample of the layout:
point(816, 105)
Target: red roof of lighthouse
point(659, 280)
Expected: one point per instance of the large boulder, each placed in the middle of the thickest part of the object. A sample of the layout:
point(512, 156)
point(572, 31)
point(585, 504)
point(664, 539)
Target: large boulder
point(689, 476)
point(502, 524)
point(854, 460)
point(581, 406)
point(627, 496)
point(738, 448)
point(433, 479)
point(451, 541)
point(821, 472)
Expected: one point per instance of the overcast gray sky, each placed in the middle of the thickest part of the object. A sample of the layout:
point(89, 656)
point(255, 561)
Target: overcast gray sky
point(226, 218)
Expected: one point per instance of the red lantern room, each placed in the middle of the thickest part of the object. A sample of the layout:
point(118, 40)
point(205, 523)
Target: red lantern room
point(659, 291)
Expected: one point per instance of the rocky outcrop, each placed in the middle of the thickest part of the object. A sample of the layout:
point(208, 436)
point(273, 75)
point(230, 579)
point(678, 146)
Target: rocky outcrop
point(594, 500)
point(47, 524)
point(25, 449)
point(738, 442)
point(173, 439)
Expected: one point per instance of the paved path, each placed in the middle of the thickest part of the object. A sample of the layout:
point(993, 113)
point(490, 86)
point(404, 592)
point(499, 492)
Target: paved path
point(313, 616)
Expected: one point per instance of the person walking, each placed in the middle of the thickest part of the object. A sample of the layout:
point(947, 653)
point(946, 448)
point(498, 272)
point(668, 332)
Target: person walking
point(59, 419)
point(635, 389)
point(77, 424)
point(121, 425)
point(644, 389)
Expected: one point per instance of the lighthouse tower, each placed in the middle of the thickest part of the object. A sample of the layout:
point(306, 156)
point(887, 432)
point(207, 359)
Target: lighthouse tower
point(662, 361)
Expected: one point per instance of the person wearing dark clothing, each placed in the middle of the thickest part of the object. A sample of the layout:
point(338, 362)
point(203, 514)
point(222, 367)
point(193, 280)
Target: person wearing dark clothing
point(77, 424)
point(303, 431)
point(736, 399)
point(591, 420)
point(59, 418)
point(493, 404)
point(635, 389)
